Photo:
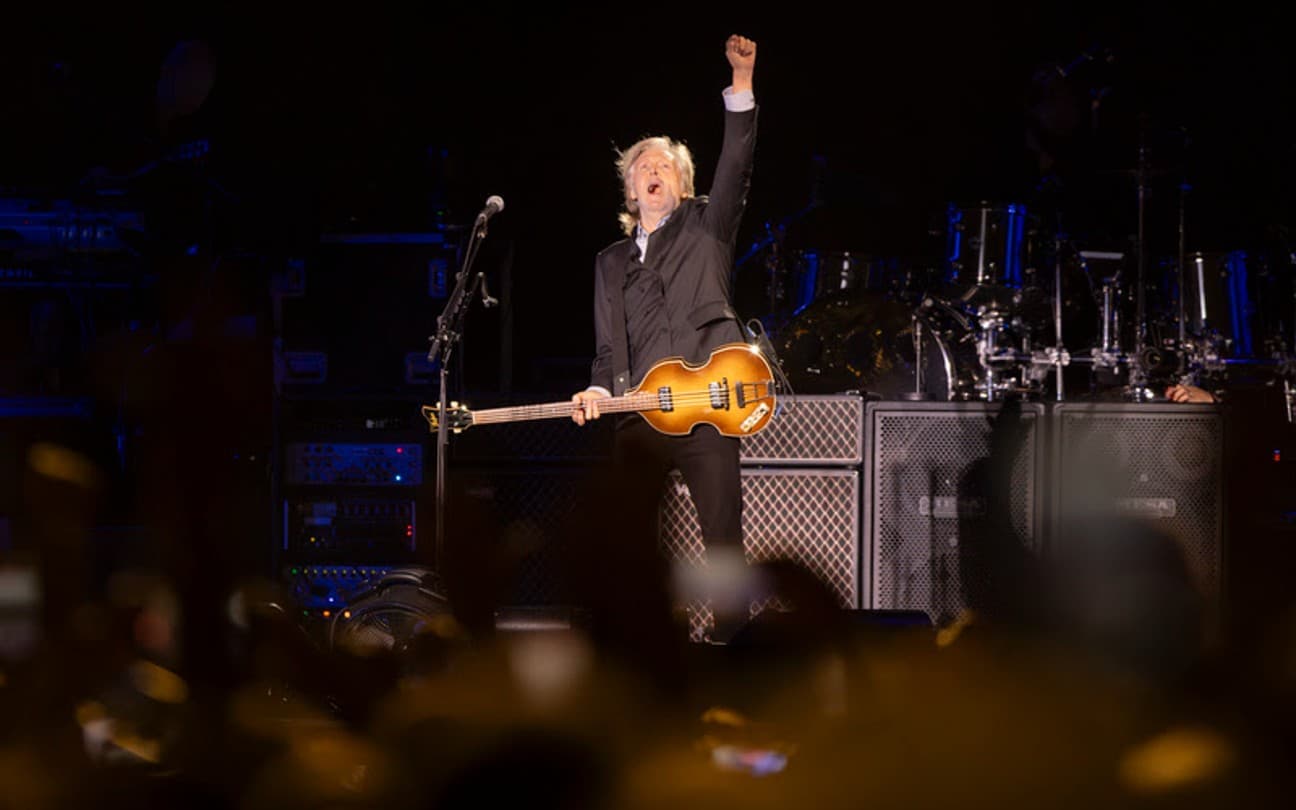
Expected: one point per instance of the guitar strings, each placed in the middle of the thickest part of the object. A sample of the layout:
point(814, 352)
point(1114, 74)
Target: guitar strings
point(684, 399)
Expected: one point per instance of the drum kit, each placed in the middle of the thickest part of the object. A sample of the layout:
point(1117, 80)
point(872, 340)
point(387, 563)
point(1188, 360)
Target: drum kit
point(1016, 310)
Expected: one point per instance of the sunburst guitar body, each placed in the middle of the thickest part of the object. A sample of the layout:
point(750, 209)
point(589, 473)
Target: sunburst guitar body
point(733, 391)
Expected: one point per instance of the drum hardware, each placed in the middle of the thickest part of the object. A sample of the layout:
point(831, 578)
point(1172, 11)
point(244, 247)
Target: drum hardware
point(986, 356)
point(994, 359)
point(926, 313)
point(1110, 317)
point(1138, 378)
point(1152, 369)
point(1204, 354)
point(1102, 360)
point(1152, 363)
point(774, 263)
point(985, 244)
point(1042, 361)
point(920, 391)
point(1109, 294)
point(1225, 297)
point(1181, 264)
point(1059, 350)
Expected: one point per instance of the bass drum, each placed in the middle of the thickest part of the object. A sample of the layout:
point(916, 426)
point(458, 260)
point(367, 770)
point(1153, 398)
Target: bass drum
point(940, 350)
point(849, 343)
point(943, 352)
point(966, 356)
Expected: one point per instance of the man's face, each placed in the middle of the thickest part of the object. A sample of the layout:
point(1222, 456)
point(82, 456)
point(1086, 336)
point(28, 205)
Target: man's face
point(655, 184)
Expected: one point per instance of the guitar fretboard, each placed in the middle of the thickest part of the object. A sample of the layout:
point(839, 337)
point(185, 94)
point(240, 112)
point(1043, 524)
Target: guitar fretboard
point(560, 410)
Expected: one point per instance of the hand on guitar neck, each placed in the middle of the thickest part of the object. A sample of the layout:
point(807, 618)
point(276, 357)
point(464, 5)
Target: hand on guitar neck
point(586, 404)
point(733, 391)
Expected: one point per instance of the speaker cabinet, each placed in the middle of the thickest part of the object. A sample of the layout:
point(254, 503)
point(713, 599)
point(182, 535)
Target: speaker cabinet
point(1156, 462)
point(360, 311)
point(809, 516)
point(810, 431)
point(943, 516)
point(539, 442)
point(509, 525)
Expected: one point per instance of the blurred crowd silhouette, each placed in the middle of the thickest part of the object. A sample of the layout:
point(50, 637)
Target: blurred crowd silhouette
point(176, 674)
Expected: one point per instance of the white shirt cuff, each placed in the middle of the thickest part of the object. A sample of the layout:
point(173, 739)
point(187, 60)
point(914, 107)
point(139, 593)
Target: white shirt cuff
point(600, 389)
point(741, 101)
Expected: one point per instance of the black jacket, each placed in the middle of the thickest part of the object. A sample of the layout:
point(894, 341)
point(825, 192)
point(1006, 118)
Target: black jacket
point(694, 251)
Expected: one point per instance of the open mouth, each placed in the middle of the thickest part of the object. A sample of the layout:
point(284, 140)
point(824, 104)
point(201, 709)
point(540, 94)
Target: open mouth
point(654, 187)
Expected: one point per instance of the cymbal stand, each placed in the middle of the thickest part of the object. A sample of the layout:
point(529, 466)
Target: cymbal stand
point(920, 377)
point(1111, 316)
point(775, 265)
point(1137, 386)
point(1058, 347)
point(774, 270)
point(1183, 276)
point(1108, 355)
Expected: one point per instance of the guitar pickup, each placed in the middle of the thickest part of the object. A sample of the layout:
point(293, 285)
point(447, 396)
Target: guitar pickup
point(665, 402)
point(719, 394)
point(750, 421)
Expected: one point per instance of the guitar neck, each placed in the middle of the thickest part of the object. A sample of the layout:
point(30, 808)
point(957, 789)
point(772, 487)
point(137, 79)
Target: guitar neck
point(563, 410)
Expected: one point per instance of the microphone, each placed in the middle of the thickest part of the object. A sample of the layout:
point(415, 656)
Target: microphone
point(494, 204)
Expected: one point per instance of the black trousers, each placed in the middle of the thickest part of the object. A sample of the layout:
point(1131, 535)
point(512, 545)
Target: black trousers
point(617, 567)
point(709, 462)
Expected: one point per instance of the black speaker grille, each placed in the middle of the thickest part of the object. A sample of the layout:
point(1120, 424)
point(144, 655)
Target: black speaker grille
point(543, 441)
point(1153, 462)
point(923, 488)
point(526, 512)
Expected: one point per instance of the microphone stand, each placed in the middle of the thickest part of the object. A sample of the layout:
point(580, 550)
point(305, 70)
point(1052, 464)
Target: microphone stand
point(449, 332)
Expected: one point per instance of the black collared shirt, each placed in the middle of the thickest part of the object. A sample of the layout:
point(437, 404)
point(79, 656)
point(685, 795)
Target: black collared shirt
point(647, 325)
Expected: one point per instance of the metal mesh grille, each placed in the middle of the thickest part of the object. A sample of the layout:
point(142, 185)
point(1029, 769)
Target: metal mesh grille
point(529, 511)
point(1161, 466)
point(543, 440)
point(925, 490)
point(816, 431)
point(808, 516)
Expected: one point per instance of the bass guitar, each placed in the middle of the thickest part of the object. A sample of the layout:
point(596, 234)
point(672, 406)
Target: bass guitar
point(733, 391)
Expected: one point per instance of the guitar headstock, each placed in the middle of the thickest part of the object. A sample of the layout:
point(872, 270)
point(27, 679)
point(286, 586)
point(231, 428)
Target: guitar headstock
point(457, 417)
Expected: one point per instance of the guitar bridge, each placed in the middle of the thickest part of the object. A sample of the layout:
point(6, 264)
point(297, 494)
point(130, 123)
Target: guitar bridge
point(719, 394)
point(740, 392)
point(665, 402)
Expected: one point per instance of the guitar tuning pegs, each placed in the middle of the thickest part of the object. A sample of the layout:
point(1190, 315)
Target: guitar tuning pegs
point(432, 417)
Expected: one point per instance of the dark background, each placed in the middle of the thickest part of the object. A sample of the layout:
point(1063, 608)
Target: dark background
point(372, 118)
point(383, 119)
